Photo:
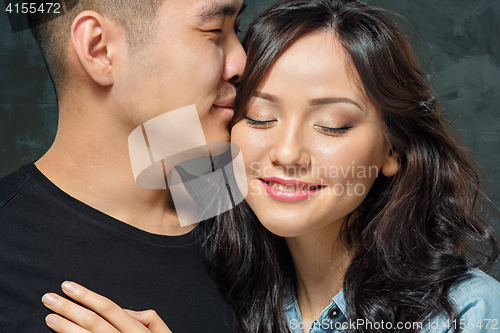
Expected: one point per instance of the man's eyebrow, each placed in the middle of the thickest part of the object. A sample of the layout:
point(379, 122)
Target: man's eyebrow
point(214, 11)
point(333, 100)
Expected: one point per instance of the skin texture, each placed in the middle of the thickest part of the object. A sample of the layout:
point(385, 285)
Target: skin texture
point(191, 60)
point(294, 143)
point(101, 316)
point(309, 90)
point(194, 60)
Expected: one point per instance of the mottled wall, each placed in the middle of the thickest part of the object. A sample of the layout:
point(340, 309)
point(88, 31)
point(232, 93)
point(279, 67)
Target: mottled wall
point(462, 36)
point(28, 110)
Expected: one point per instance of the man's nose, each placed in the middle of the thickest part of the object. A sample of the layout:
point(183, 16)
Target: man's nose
point(235, 60)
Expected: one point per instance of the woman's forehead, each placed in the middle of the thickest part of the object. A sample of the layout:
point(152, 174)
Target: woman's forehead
point(315, 66)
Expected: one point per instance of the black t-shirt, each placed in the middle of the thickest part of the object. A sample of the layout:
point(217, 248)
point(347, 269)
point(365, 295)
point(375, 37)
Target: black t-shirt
point(47, 237)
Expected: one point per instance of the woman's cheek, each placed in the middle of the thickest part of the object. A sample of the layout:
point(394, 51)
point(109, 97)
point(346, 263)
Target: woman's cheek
point(252, 142)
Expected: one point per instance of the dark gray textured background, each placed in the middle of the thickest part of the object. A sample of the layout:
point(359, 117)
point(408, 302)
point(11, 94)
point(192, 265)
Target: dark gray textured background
point(462, 35)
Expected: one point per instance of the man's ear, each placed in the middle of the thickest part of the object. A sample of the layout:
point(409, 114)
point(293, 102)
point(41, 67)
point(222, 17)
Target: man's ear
point(391, 164)
point(91, 36)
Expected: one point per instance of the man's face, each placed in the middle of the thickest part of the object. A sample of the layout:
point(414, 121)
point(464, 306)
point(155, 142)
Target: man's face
point(194, 58)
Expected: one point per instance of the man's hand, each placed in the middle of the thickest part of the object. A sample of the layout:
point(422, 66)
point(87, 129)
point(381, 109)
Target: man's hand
point(101, 315)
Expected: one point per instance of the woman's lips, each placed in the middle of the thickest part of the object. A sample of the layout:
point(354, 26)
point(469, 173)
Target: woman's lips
point(289, 189)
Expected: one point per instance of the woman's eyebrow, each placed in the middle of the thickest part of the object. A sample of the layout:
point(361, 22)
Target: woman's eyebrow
point(267, 97)
point(312, 102)
point(333, 100)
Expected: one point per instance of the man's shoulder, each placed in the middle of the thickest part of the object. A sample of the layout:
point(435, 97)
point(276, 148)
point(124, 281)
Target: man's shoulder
point(12, 185)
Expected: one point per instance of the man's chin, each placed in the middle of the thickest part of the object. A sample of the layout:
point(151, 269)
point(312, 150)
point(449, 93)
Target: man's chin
point(216, 138)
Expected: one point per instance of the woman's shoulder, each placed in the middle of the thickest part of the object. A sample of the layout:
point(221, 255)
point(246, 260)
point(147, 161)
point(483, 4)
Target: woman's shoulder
point(476, 297)
point(475, 286)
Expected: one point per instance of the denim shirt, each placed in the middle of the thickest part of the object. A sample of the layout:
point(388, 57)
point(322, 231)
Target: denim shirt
point(476, 297)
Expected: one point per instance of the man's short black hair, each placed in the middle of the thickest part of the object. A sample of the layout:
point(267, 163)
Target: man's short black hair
point(137, 17)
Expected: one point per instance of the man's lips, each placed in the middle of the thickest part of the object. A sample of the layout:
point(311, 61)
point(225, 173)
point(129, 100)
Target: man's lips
point(226, 99)
point(226, 108)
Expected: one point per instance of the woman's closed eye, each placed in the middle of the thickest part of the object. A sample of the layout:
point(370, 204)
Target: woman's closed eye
point(333, 130)
point(323, 129)
point(259, 123)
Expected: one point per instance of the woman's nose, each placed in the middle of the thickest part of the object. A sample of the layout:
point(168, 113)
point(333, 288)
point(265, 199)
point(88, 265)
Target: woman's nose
point(290, 148)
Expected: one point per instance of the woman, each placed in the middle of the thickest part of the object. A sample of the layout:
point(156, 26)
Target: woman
point(362, 211)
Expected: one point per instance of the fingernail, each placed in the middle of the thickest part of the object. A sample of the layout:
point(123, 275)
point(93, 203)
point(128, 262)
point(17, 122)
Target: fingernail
point(49, 299)
point(51, 319)
point(68, 286)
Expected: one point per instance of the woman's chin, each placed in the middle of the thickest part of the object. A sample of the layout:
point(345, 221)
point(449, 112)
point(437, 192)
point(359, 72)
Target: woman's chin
point(284, 228)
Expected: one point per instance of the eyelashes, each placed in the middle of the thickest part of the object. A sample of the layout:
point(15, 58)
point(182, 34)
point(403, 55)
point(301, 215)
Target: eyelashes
point(327, 130)
point(340, 130)
point(254, 122)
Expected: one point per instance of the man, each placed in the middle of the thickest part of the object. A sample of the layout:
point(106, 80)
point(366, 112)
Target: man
point(77, 213)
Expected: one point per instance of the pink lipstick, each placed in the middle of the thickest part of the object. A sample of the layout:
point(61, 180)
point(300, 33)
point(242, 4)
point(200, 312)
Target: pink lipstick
point(289, 189)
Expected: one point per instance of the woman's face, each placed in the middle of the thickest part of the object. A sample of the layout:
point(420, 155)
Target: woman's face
point(312, 142)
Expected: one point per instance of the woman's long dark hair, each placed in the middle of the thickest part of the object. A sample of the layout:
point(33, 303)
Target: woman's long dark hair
point(414, 234)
